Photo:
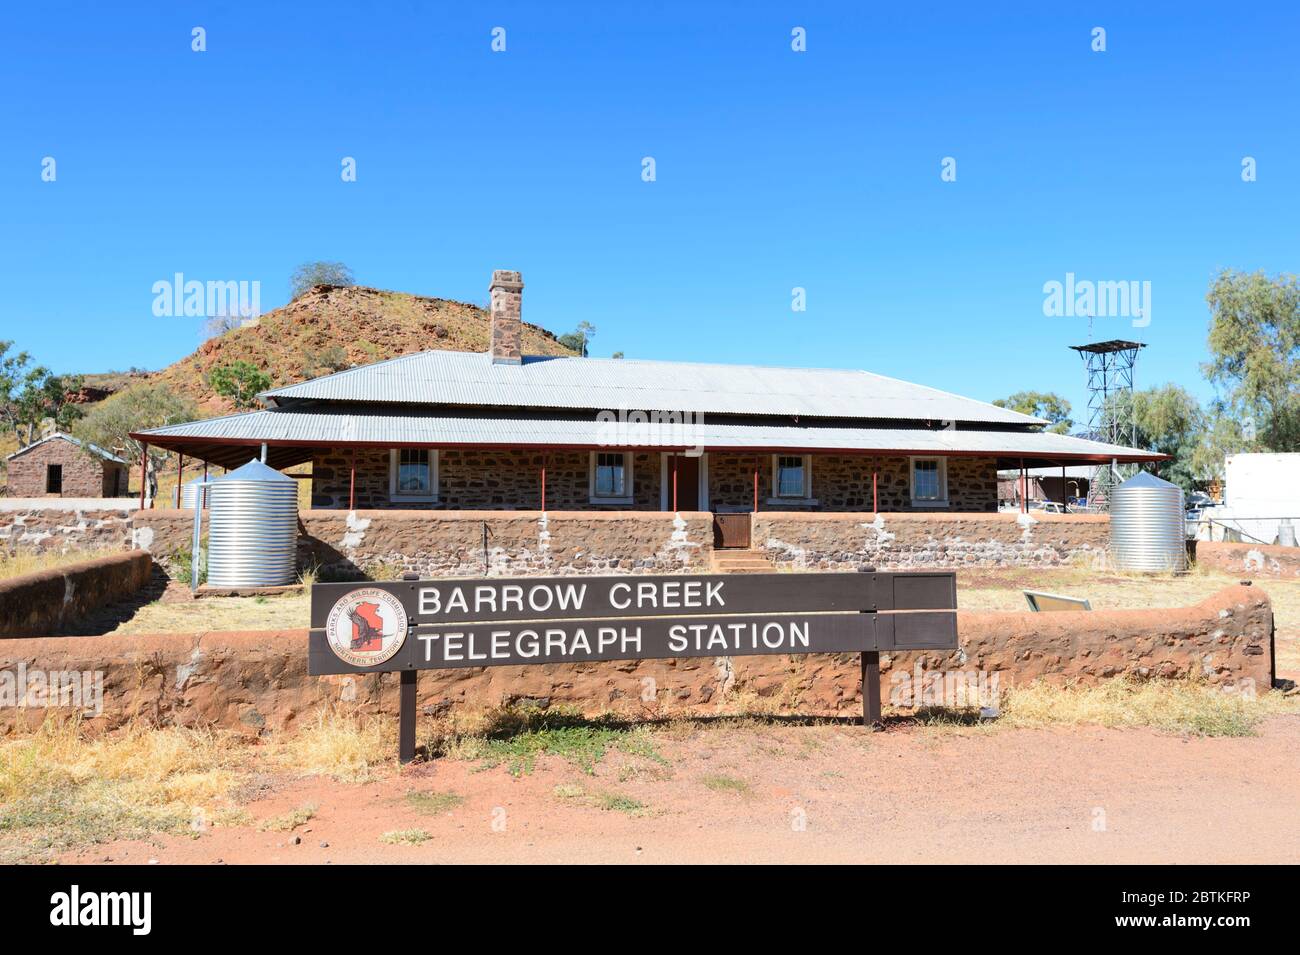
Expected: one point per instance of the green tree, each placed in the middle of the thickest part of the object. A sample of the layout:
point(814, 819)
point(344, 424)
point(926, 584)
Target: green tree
point(1041, 404)
point(1254, 348)
point(31, 394)
point(1167, 419)
point(240, 381)
point(110, 424)
point(1222, 435)
point(577, 339)
point(318, 273)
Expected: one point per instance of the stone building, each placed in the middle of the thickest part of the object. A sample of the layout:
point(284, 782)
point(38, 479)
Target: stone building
point(62, 466)
point(501, 431)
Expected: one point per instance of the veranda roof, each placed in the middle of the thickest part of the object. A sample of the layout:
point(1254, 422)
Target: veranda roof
point(292, 434)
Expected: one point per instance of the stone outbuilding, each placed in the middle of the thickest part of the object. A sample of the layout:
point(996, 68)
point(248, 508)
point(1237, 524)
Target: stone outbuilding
point(62, 466)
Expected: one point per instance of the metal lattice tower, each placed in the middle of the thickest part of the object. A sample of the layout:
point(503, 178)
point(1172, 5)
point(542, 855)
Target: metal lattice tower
point(1110, 374)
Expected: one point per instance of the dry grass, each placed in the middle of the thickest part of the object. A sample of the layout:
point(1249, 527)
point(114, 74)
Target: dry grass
point(283, 611)
point(59, 789)
point(288, 821)
point(1185, 707)
point(1170, 706)
point(23, 562)
point(344, 746)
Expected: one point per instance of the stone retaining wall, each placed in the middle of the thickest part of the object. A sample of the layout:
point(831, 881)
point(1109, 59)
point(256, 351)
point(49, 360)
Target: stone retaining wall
point(257, 682)
point(841, 541)
point(42, 602)
point(63, 524)
point(450, 543)
point(1249, 560)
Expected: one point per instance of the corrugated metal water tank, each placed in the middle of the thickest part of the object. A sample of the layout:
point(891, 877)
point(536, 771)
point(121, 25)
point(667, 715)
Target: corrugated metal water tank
point(1147, 525)
point(190, 492)
point(252, 528)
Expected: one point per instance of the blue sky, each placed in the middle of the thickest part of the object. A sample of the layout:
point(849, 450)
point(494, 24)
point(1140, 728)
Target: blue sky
point(775, 169)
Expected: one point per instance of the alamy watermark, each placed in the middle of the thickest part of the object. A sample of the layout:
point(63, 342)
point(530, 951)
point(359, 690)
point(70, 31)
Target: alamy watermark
point(953, 689)
point(81, 690)
point(651, 429)
point(190, 298)
point(1084, 298)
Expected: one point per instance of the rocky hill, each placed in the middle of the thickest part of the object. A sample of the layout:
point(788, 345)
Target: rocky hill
point(329, 328)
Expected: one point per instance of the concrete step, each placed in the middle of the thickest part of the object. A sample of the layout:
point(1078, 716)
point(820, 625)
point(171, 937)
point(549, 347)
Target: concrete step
point(741, 562)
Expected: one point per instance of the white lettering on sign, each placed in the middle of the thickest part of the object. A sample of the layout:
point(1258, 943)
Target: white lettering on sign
point(711, 638)
point(529, 643)
point(470, 599)
point(668, 594)
point(582, 640)
point(514, 597)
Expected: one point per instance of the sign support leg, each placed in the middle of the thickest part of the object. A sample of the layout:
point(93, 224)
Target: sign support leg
point(406, 718)
point(871, 690)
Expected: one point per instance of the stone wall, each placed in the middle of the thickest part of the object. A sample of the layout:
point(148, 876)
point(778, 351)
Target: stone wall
point(843, 483)
point(443, 543)
point(450, 543)
point(63, 524)
point(84, 475)
point(42, 602)
point(257, 682)
point(511, 480)
point(838, 541)
point(1249, 560)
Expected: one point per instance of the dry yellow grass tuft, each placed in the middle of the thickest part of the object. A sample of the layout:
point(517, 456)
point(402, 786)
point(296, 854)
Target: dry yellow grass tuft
point(345, 746)
point(58, 788)
point(1174, 706)
point(22, 562)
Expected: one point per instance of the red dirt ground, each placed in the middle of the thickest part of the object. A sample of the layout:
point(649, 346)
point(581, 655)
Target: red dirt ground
point(911, 794)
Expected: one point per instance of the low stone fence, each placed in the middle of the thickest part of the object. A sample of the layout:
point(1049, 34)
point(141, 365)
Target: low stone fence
point(450, 543)
point(842, 541)
point(42, 602)
point(378, 543)
point(38, 524)
point(1249, 560)
point(258, 681)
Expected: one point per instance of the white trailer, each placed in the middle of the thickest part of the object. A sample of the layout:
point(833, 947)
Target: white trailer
point(1260, 491)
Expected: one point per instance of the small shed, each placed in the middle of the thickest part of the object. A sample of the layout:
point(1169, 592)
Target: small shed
point(62, 466)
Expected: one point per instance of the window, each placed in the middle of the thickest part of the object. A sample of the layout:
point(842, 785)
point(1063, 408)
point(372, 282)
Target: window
point(413, 475)
point(929, 481)
point(611, 477)
point(791, 476)
point(54, 479)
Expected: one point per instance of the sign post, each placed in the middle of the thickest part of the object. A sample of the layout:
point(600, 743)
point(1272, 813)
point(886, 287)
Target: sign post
point(411, 625)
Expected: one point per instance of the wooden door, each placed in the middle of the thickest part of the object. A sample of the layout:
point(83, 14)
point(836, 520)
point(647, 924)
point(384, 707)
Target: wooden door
point(688, 482)
point(731, 530)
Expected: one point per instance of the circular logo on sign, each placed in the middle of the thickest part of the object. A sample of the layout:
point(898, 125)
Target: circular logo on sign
point(366, 627)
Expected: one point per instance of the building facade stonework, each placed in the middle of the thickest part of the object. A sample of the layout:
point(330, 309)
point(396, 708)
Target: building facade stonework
point(512, 480)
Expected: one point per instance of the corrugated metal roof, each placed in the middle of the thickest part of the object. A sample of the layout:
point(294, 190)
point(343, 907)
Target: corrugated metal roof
point(470, 378)
point(61, 436)
point(375, 427)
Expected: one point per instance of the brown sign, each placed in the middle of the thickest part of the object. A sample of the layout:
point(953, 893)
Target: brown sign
point(557, 598)
point(415, 625)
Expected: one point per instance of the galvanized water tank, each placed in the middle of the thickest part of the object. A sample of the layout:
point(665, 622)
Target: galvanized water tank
point(190, 492)
point(252, 528)
point(1147, 525)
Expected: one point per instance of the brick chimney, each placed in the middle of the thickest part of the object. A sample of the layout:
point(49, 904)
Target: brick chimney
point(507, 290)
